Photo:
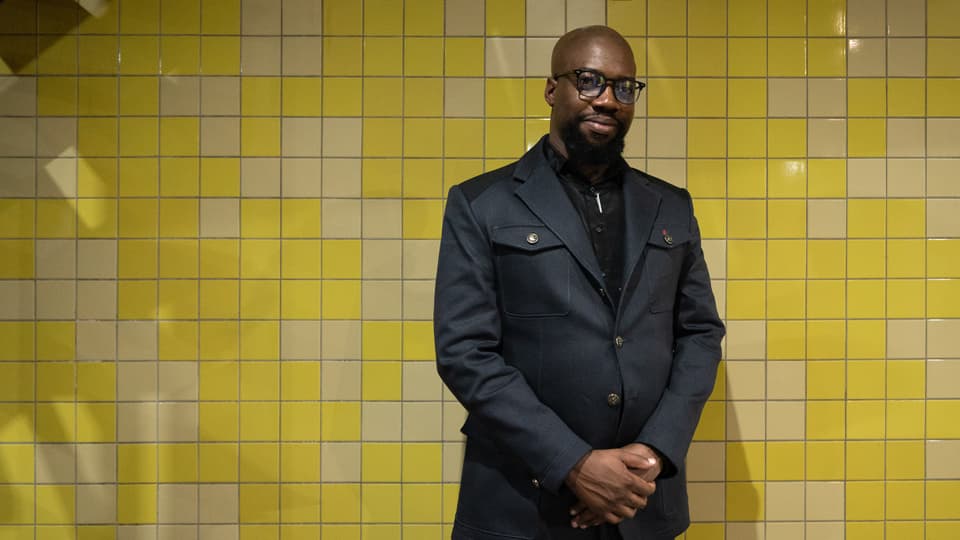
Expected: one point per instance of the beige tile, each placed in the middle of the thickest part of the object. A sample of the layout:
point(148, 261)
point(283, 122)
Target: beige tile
point(827, 97)
point(340, 462)
point(585, 13)
point(220, 136)
point(941, 177)
point(786, 380)
point(342, 137)
point(218, 503)
point(666, 137)
point(715, 253)
point(420, 259)
point(380, 421)
point(463, 97)
point(178, 381)
point(57, 177)
point(96, 299)
point(788, 530)
point(96, 463)
point(302, 17)
point(58, 258)
point(746, 340)
point(943, 218)
point(422, 421)
point(866, 57)
point(454, 415)
point(179, 96)
point(95, 259)
point(464, 17)
point(381, 259)
point(827, 218)
point(418, 300)
point(341, 177)
point(866, 177)
point(96, 503)
point(905, 137)
point(18, 177)
point(56, 137)
point(341, 340)
point(943, 379)
point(177, 532)
point(746, 420)
point(785, 420)
point(341, 218)
point(300, 137)
point(18, 137)
point(260, 55)
point(56, 463)
point(746, 380)
point(177, 503)
point(260, 17)
point(826, 137)
point(825, 530)
point(943, 137)
point(706, 462)
point(865, 18)
point(905, 338)
point(177, 422)
point(136, 422)
point(824, 501)
point(219, 532)
point(219, 218)
point(941, 459)
point(452, 461)
point(301, 178)
point(906, 18)
point(504, 57)
point(706, 501)
point(20, 96)
point(96, 340)
point(672, 170)
point(539, 51)
point(136, 340)
point(17, 299)
point(784, 501)
point(787, 97)
point(382, 218)
point(746, 531)
point(635, 145)
point(300, 340)
point(340, 380)
point(381, 300)
point(905, 177)
point(220, 96)
point(421, 382)
point(260, 177)
point(137, 532)
point(302, 55)
point(545, 17)
point(906, 57)
point(55, 298)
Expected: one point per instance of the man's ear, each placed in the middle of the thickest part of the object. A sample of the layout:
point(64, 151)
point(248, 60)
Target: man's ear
point(548, 91)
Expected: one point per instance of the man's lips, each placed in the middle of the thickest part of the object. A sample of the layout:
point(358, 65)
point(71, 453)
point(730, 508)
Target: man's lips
point(601, 124)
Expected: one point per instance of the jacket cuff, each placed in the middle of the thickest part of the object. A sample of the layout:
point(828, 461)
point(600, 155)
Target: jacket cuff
point(556, 473)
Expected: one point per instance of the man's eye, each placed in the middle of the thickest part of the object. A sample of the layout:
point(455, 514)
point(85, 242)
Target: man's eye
point(588, 80)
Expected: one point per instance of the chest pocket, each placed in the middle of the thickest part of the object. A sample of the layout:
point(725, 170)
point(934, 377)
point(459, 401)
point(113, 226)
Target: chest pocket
point(666, 248)
point(533, 268)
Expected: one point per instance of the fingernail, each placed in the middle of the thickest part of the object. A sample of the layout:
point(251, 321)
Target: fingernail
point(651, 461)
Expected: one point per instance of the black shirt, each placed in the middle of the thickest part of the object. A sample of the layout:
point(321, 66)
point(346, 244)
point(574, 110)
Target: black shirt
point(600, 206)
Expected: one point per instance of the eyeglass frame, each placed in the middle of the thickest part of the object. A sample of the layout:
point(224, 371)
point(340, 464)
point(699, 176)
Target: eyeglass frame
point(605, 82)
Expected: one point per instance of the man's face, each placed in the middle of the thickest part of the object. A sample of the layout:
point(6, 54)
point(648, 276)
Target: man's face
point(591, 129)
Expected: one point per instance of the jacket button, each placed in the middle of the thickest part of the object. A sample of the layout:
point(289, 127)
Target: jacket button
point(618, 341)
point(613, 400)
point(533, 238)
point(535, 482)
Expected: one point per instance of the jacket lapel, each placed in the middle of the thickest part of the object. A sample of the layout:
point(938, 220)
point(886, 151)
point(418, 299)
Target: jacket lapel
point(544, 196)
point(641, 205)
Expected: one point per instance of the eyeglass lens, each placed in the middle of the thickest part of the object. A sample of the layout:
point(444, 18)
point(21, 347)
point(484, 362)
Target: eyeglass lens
point(593, 84)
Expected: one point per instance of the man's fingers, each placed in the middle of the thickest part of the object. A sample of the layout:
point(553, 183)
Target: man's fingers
point(636, 461)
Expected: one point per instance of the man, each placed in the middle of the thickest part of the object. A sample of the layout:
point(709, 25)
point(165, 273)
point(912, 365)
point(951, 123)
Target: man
point(575, 322)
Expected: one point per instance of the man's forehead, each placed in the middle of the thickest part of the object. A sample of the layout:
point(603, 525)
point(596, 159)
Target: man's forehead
point(584, 51)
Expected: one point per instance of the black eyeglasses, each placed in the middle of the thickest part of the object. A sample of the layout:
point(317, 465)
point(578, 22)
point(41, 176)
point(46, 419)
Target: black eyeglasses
point(591, 83)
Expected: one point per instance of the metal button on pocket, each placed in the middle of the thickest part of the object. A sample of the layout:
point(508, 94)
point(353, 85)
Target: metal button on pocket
point(613, 400)
point(619, 342)
point(535, 482)
point(533, 238)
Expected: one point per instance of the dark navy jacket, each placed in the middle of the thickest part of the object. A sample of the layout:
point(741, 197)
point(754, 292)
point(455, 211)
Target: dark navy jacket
point(547, 367)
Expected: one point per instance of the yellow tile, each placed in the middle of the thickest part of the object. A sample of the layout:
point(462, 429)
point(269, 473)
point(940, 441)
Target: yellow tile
point(865, 458)
point(300, 503)
point(218, 422)
point(220, 17)
point(826, 258)
point(746, 259)
point(707, 57)
point(825, 380)
point(218, 381)
point(787, 57)
point(866, 137)
point(785, 460)
point(906, 378)
point(259, 299)
point(712, 216)
point(745, 461)
point(136, 300)
point(667, 98)
point(382, 137)
point(905, 299)
point(421, 503)
point(178, 258)
point(941, 55)
point(259, 421)
point(381, 381)
point(219, 299)
point(828, 178)
point(23, 455)
point(342, 56)
point(96, 381)
point(302, 96)
point(669, 18)
point(904, 500)
point(943, 256)
point(341, 503)
point(260, 137)
point(939, 15)
point(180, 55)
point(905, 419)
point(422, 178)
point(57, 96)
point(745, 501)
point(707, 97)
point(746, 57)
point(463, 137)
point(786, 18)
point(381, 503)
point(864, 500)
point(826, 299)
point(787, 259)
point(259, 503)
point(422, 137)
point(260, 96)
point(706, 139)
point(422, 219)
point(825, 339)
point(422, 96)
point(138, 55)
point(178, 340)
point(22, 429)
point(826, 57)
point(786, 299)
point(904, 460)
point(17, 381)
point(300, 259)
point(382, 17)
point(504, 97)
point(865, 420)
point(747, 138)
point(941, 97)
point(177, 462)
point(97, 136)
point(56, 340)
point(905, 530)
point(96, 96)
point(340, 300)
point(707, 18)
point(381, 462)
point(787, 137)
point(418, 341)
point(382, 178)
point(97, 55)
point(138, 218)
point(866, 97)
point(504, 138)
point(300, 299)
point(464, 57)
point(906, 218)
point(341, 259)
point(865, 299)
point(220, 55)
point(505, 18)
point(139, 96)
point(300, 462)
point(940, 497)
point(382, 340)
point(667, 57)
point(55, 505)
point(825, 420)
point(179, 17)
point(905, 97)
point(139, 177)
point(866, 258)
point(219, 340)
point(384, 96)
point(140, 17)
point(746, 299)
point(342, 96)
point(747, 17)
point(136, 503)
point(136, 463)
point(340, 421)
point(421, 462)
point(628, 18)
point(422, 56)
point(942, 298)
point(300, 421)
point(179, 136)
point(219, 258)
point(787, 219)
point(706, 177)
point(55, 382)
point(941, 419)
point(747, 178)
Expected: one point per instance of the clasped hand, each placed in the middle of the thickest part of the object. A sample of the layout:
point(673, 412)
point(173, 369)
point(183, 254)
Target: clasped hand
point(611, 485)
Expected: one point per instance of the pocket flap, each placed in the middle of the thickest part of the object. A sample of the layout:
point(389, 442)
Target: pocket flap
point(526, 237)
point(669, 235)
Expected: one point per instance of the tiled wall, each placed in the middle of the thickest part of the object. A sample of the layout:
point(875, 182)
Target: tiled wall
point(218, 232)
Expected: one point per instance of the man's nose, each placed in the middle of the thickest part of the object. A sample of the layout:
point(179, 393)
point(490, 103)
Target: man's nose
point(606, 101)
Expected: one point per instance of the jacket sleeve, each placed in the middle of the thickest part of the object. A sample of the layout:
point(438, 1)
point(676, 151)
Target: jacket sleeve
point(698, 332)
point(468, 333)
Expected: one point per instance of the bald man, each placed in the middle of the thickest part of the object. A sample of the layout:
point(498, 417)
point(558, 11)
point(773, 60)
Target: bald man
point(575, 322)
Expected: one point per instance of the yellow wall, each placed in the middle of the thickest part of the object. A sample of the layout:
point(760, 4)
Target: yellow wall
point(218, 232)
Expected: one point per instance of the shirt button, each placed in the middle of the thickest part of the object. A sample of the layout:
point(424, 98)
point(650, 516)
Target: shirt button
point(618, 341)
point(535, 482)
point(603, 292)
point(598, 228)
point(613, 400)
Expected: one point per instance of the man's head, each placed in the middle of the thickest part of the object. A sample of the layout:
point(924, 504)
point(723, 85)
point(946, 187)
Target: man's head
point(590, 130)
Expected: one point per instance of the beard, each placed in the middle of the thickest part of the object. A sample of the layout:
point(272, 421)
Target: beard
point(583, 151)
